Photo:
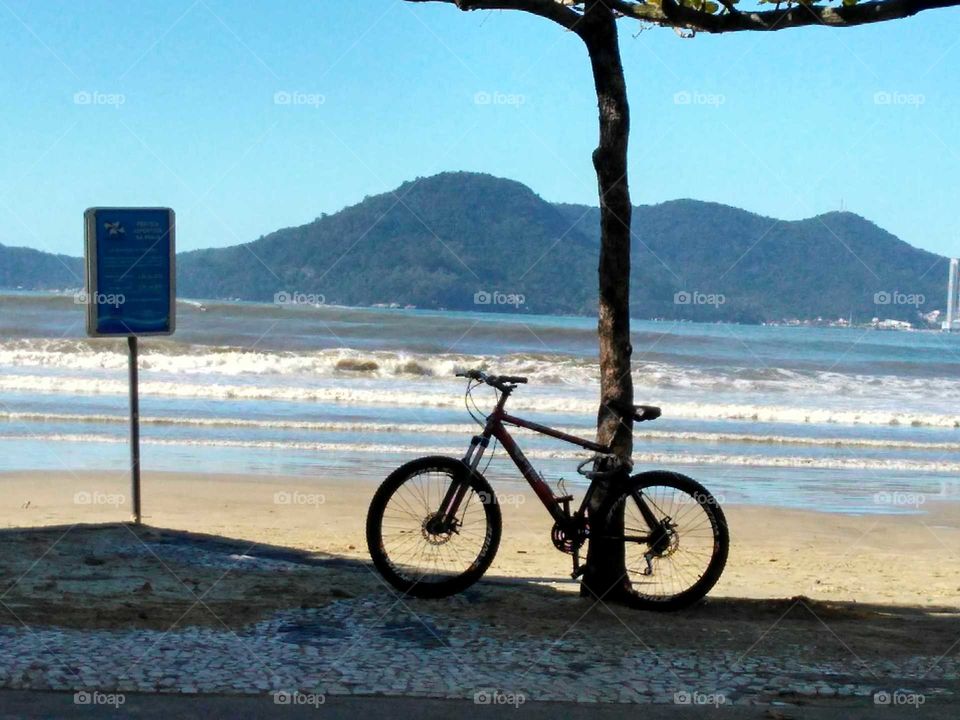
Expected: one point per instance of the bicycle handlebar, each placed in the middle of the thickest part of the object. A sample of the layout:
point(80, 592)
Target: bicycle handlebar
point(513, 379)
point(501, 382)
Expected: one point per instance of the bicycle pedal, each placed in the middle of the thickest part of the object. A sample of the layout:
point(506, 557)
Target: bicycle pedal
point(565, 498)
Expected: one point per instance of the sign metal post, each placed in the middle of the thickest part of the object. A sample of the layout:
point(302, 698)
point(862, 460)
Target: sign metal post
point(131, 292)
point(134, 426)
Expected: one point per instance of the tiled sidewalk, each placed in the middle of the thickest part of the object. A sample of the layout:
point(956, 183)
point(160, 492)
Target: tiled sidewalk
point(378, 646)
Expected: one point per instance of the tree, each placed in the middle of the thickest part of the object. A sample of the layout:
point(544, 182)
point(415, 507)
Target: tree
point(595, 23)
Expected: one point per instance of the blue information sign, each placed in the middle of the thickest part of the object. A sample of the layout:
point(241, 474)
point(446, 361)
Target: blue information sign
point(130, 271)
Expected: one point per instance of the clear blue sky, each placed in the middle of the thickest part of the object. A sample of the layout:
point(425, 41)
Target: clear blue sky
point(785, 124)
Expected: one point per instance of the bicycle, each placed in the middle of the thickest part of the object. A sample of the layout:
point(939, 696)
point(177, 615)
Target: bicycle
point(434, 525)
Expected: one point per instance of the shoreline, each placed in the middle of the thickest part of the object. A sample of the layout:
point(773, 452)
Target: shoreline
point(775, 552)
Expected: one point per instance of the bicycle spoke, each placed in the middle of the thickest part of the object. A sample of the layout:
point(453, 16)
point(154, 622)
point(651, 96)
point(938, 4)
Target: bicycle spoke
point(416, 544)
point(681, 546)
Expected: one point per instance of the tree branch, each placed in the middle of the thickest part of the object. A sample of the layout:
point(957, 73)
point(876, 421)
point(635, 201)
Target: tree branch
point(670, 13)
point(729, 6)
point(673, 14)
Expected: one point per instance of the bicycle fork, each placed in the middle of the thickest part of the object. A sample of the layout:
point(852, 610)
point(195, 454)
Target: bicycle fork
point(453, 498)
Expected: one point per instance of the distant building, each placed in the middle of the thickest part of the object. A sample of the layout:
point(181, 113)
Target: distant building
point(891, 324)
point(953, 288)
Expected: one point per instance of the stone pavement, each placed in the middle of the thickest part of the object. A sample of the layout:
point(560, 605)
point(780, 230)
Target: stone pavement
point(376, 645)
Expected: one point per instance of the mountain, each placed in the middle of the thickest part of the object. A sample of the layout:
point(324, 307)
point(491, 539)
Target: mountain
point(29, 269)
point(469, 241)
point(836, 264)
point(432, 242)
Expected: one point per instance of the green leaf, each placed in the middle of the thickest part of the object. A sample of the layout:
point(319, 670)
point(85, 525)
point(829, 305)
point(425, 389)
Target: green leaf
point(848, 3)
point(711, 7)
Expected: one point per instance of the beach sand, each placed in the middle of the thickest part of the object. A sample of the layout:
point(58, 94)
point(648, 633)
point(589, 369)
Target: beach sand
point(909, 560)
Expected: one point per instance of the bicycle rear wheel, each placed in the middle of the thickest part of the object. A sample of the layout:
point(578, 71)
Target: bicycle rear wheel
point(416, 553)
point(676, 540)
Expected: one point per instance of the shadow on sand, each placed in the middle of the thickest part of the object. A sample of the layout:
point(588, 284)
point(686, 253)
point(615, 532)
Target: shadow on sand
point(122, 576)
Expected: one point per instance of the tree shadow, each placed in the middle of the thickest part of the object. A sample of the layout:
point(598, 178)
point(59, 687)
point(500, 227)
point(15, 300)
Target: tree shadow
point(121, 576)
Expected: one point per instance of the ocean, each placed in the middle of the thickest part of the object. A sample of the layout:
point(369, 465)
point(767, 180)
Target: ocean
point(839, 419)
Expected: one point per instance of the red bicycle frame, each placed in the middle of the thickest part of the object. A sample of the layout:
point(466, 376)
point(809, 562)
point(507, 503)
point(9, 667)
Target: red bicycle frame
point(496, 427)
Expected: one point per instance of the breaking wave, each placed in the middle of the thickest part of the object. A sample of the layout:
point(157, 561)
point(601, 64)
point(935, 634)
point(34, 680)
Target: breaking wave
point(446, 397)
point(652, 458)
point(465, 429)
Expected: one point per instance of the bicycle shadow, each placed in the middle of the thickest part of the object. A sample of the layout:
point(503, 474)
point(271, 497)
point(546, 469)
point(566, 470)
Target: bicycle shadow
point(119, 576)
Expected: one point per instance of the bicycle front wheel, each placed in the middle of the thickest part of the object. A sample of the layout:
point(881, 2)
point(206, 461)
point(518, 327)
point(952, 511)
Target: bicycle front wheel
point(676, 540)
point(413, 547)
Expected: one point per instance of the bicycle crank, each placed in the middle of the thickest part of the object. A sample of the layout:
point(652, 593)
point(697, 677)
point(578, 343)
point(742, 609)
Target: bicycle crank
point(568, 539)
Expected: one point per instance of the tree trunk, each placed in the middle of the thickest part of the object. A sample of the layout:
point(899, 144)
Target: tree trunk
point(605, 575)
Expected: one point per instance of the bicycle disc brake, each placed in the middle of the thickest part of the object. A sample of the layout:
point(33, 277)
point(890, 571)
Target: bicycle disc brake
point(665, 545)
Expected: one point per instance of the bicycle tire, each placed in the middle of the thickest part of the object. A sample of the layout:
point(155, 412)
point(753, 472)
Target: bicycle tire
point(701, 497)
point(418, 584)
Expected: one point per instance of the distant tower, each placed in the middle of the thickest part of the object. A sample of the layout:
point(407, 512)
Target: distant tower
point(953, 287)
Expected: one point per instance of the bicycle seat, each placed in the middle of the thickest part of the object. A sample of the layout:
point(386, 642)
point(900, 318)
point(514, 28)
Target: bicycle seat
point(642, 413)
